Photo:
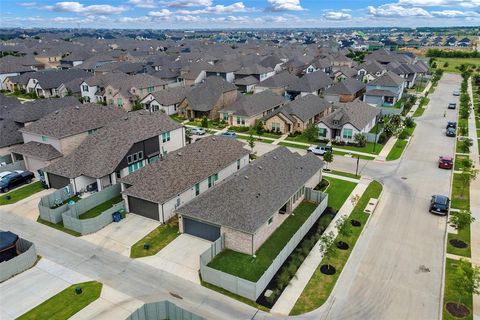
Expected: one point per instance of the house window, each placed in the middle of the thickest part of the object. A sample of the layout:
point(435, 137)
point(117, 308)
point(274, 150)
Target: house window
point(92, 131)
point(239, 120)
point(140, 155)
point(225, 116)
point(322, 132)
point(347, 133)
point(118, 174)
point(154, 159)
point(150, 89)
point(120, 102)
point(215, 177)
point(134, 167)
point(85, 88)
point(166, 136)
point(275, 126)
point(197, 189)
point(270, 220)
point(238, 164)
point(210, 181)
point(44, 138)
point(135, 157)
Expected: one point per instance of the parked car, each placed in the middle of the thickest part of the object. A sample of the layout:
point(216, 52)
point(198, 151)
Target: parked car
point(439, 205)
point(451, 132)
point(451, 124)
point(319, 150)
point(4, 173)
point(452, 105)
point(198, 131)
point(445, 162)
point(14, 180)
point(456, 92)
point(229, 134)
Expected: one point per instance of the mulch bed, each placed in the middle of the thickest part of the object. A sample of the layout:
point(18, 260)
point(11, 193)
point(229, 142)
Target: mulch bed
point(458, 243)
point(328, 270)
point(342, 245)
point(458, 311)
point(356, 223)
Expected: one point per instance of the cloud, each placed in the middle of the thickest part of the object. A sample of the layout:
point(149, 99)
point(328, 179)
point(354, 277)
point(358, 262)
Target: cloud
point(440, 3)
point(284, 5)
point(188, 18)
point(134, 19)
point(27, 4)
point(160, 14)
point(218, 9)
point(454, 14)
point(337, 15)
point(188, 3)
point(143, 3)
point(77, 7)
point(396, 11)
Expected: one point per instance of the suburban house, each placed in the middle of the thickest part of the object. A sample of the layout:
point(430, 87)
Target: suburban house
point(296, 115)
point(311, 83)
point(370, 70)
point(250, 205)
point(346, 90)
point(194, 74)
point(208, 98)
point(247, 77)
point(347, 120)
point(277, 83)
point(181, 176)
point(167, 100)
point(60, 133)
point(11, 66)
point(120, 89)
point(385, 90)
point(118, 149)
point(248, 109)
point(224, 69)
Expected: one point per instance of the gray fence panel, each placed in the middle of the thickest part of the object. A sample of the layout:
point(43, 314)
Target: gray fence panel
point(162, 310)
point(24, 261)
point(252, 290)
point(6, 159)
point(390, 111)
point(18, 165)
point(60, 195)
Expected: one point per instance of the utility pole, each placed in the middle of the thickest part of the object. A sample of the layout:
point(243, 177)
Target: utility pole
point(358, 161)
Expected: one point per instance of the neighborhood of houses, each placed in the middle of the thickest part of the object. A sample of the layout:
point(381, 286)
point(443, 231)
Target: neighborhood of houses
point(115, 124)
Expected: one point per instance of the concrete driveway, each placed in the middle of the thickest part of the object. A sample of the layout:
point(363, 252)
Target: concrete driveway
point(28, 207)
point(119, 237)
point(30, 288)
point(181, 257)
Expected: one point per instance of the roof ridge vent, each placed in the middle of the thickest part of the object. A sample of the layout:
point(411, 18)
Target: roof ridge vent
point(246, 177)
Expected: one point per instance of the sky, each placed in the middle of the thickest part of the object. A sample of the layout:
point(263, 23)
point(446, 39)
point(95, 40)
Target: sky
point(226, 14)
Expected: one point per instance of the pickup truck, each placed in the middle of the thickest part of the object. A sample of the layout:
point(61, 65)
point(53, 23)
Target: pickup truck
point(319, 150)
point(14, 180)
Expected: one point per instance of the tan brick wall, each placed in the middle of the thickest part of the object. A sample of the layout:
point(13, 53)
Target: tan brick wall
point(69, 144)
point(277, 119)
point(266, 230)
point(237, 241)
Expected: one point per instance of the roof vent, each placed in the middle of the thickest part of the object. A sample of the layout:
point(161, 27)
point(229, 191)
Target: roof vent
point(260, 167)
point(77, 107)
point(56, 111)
point(275, 157)
point(179, 154)
point(246, 177)
point(126, 118)
point(213, 138)
point(257, 195)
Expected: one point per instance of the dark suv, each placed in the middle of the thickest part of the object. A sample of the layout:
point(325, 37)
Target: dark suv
point(14, 180)
point(439, 205)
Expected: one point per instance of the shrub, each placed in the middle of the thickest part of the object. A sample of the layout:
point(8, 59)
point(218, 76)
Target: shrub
point(403, 135)
point(360, 139)
point(205, 122)
point(409, 123)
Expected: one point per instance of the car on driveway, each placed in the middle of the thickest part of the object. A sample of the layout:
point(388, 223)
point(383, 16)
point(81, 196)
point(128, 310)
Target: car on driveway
point(456, 92)
point(14, 180)
point(445, 162)
point(452, 105)
point(439, 205)
point(229, 134)
point(319, 150)
point(198, 131)
point(451, 132)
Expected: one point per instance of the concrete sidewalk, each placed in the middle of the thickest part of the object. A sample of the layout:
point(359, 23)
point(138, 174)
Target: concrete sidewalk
point(382, 156)
point(336, 176)
point(290, 295)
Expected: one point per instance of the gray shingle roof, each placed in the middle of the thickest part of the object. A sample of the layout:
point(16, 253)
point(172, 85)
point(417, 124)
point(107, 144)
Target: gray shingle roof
point(9, 134)
point(101, 152)
point(204, 96)
point(304, 108)
point(248, 199)
point(54, 78)
point(357, 113)
point(388, 79)
point(347, 86)
point(170, 96)
point(311, 82)
point(282, 79)
point(255, 104)
point(183, 168)
point(73, 120)
point(37, 150)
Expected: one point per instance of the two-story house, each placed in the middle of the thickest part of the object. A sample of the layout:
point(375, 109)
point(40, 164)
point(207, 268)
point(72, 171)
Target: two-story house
point(51, 83)
point(311, 83)
point(167, 100)
point(385, 90)
point(120, 148)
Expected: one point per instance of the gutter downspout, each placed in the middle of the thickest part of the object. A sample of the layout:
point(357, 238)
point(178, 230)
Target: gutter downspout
point(163, 216)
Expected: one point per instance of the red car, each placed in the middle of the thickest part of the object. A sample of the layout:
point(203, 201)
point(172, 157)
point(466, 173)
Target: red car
point(445, 162)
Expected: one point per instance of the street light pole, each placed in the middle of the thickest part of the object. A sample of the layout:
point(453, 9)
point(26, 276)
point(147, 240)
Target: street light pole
point(358, 161)
point(376, 133)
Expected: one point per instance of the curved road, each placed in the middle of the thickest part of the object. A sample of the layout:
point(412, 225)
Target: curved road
point(381, 279)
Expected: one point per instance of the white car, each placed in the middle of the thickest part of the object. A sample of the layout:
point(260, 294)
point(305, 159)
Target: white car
point(319, 150)
point(456, 92)
point(4, 173)
point(198, 131)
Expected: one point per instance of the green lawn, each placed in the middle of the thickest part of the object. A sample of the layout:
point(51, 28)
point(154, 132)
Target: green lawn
point(419, 112)
point(456, 62)
point(335, 152)
point(158, 239)
point(460, 196)
point(177, 118)
point(397, 150)
point(458, 162)
point(320, 285)
point(345, 174)
point(249, 268)
point(302, 138)
point(19, 94)
point(367, 149)
point(21, 193)
point(92, 213)
point(66, 303)
point(58, 226)
point(451, 294)
point(342, 153)
point(293, 145)
point(376, 127)
point(256, 139)
point(464, 235)
point(248, 131)
point(338, 191)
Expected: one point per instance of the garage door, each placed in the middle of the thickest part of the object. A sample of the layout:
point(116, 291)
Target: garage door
point(201, 229)
point(143, 208)
point(57, 182)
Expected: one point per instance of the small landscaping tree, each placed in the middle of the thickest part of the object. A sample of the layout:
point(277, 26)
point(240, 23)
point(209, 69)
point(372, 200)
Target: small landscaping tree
point(465, 145)
point(205, 122)
point(259, 127)
point(467, 280)
point(461, 219)
point(463, 130)
point(408, 122)
point(188, 135)
point(393, 126)
point(344, 228)
point(328, 158)
point(311, 132)
point(445, 65)
point(251, 142)
point(327, 248)
point(466, 177)
point(360, 140)
point(137, 106)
